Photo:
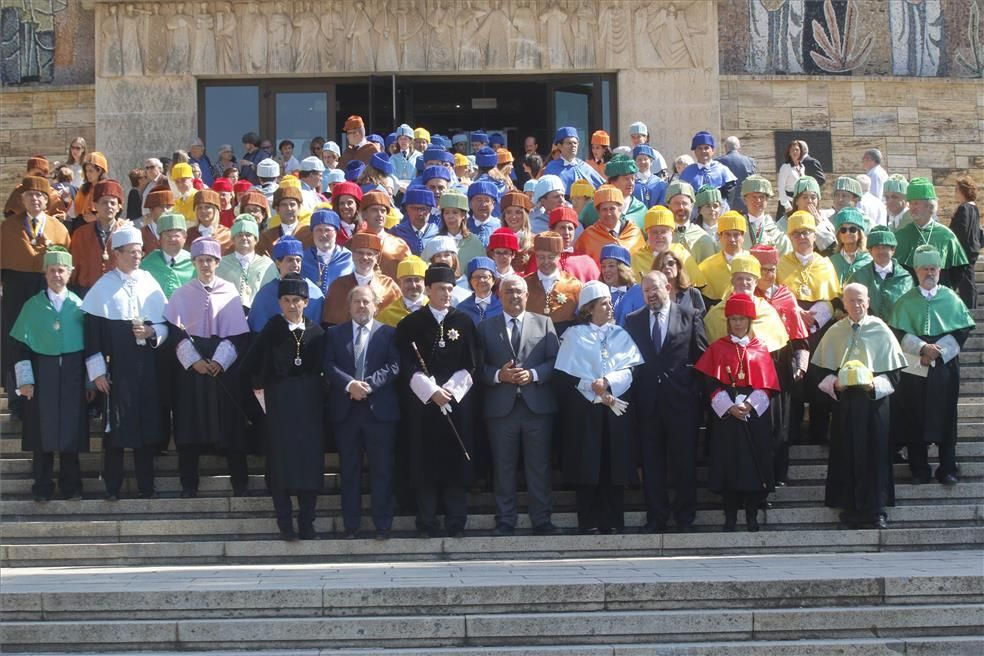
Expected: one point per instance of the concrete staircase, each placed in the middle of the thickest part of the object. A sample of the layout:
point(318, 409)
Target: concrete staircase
point(208, 575)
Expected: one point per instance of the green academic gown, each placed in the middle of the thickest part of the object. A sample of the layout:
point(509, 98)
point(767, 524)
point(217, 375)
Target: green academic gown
point(636, 214)
point(169, 277)
point(937, 235)
point(260, 271)
point(882, 292)
point(844, 268)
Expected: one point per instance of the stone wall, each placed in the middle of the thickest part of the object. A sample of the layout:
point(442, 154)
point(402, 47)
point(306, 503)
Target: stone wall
point(924, 127)
point(42, 120)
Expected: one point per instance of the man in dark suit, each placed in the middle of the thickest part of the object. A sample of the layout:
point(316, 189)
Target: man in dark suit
point(666, 396)
point(519, 349)
point(741, 165)
point(362, 364)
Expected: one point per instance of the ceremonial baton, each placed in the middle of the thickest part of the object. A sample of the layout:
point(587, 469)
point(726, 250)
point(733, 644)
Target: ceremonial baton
point(748, 438)
point(218, 380)
point(423, 365)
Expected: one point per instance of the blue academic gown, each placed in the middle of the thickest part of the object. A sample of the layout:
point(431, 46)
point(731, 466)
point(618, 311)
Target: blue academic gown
point(651, 192)
point(405, 231)
point(470, 307)
point(714, 173)
point(266, 305)
point(483, 232)
point(339, 265)
point(573, 171)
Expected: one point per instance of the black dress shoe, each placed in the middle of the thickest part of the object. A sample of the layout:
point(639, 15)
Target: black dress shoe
point(456, 532)
point(429, 533)
point(110, 496)
point(922, 480)
point(880, 523)
point(949, 480)
point(148, 495)
point(546, 528)
point(288, 534)
point(189, 494)
point(685, 528)
point(382, 535)
point(653, 527)
point(502, 529)
point(780, 483)
point(350, 535)
point(74, 496)
point(42, 498)
point(240, 491)
point(308, 533)
point(589, 531)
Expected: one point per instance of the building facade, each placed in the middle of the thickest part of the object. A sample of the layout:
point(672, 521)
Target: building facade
point(140, 78)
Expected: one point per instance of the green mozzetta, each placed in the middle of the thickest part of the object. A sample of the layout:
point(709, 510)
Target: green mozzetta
point(883, 294)
point(936, 235)
point(846, 269)
point(47, 332)
point(636, 214)
point(169, 277)
point(942, 314)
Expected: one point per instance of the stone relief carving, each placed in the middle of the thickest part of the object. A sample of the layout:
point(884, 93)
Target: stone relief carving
point(322, 36)
point(27, 40)
point(775, 44)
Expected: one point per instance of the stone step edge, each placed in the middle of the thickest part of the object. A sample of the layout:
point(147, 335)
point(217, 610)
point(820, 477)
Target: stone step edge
point(567, 593)
point(365, 549)
point(503, 629)
point(951, 645)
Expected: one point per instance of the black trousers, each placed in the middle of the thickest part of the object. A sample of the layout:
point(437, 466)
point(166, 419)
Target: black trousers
point(306, 502)
point(143, 463)
point(69, 473)
point(455, 506)
point(751, 501)
point(670, 446)
point(189, 456)
point(919, 459)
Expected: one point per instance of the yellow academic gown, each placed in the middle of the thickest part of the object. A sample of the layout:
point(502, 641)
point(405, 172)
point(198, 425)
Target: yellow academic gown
point(717, 273)
point(642, 263)
point(817, 281)
point(767, 325)
point(393, 313)
point(186, 207)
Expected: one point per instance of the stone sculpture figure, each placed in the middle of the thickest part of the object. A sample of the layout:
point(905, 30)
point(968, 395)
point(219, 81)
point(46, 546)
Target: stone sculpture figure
point(410, 25)
point(203, 60)
point(387, 38)
point(180, 28)
point(255, 45)
point(494, 36)
point(306, 28)
point(112, 44)
point(227, 53)
point(468, 23)
point(359, 40)
point(556, 36)
point(526, 48)
point(614, 36)
point(132, 35)
point(585, 23)
point(672, 38)
point(440, 44)
point(280, 52)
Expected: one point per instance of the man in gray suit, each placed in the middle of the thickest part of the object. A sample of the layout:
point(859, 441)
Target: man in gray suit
point(519, 349)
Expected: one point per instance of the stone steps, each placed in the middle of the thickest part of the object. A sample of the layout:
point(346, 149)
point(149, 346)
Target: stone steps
point(909, 646)
point(183, 530)
point(570, 606)
point(484, 547)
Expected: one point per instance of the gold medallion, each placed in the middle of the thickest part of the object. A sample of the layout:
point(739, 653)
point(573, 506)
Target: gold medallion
point(741, 375)
point(105, 256)
point(804, 290)
point(56, 325)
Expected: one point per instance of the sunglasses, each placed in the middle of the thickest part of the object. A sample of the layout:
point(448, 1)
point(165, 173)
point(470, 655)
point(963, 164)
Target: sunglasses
point(850, 229)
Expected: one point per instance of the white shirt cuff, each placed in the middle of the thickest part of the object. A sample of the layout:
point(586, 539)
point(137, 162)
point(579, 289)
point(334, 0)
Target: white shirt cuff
point(801, 360)
point(95, 366)
point(759, 400)
point(160, 335)
point(225, 354)
point(827, 386)
point(911, 344)
point(187, 353)
point(24, 373)
point(823, 311)
point(721, 402)
point(459, 384)
point(883, 387)
point(949, 347)
point(423, 386)
point(619, 381)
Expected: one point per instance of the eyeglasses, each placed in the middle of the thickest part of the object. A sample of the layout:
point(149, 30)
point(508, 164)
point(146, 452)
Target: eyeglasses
point(76, 147)
point(481, 278)
point(851, 229)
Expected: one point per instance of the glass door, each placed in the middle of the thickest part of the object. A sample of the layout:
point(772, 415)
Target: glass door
point(572, 105)
point(299, 114)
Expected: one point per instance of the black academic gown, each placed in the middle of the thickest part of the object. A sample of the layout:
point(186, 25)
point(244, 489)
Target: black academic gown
point(859, 466)
point(740, 451)
point(55, 419)
point(927, 407)
point(434, 453)
point(18, 286)
point(207, 410)
point(134, 418)
point(295, 401)
point(593, 435)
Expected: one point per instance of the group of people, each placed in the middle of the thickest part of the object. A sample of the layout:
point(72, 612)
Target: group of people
point(449, 329)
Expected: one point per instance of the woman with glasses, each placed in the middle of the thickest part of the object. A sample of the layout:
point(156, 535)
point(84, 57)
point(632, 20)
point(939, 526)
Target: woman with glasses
point(76, 156)
point(850, 253)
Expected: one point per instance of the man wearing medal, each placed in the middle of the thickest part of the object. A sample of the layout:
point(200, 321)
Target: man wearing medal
point(246, 269)
point(925, 229)
point(50, 377)
point(170, 264)
point(813, 280)
point(439, 355)
point(365, 248)
point(288, 254)
point(552, 291)
point(91, 250)
point(762, 230)
point(24, 240)
point(326, 261)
